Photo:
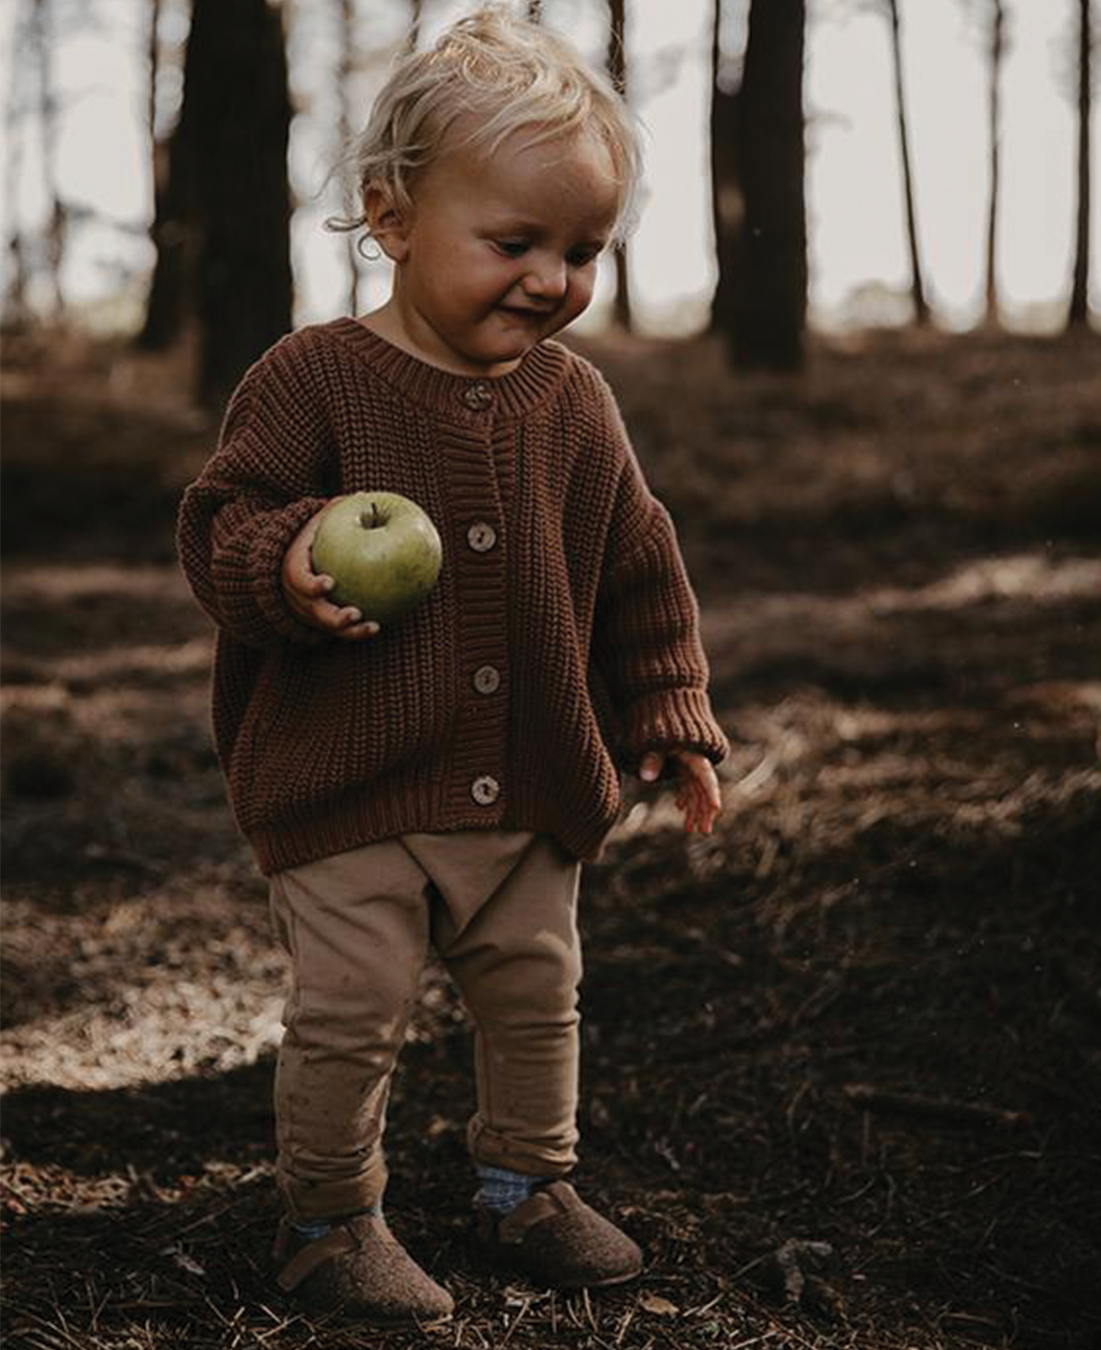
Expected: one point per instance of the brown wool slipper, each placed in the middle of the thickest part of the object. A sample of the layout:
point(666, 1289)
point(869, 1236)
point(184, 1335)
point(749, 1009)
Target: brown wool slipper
point(556, 1240)
point(361, 1269)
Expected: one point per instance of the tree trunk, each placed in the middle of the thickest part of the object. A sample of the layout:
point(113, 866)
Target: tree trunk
point(1078, 314)
point(166, 306)
point(15, 312)
point(56, 230)
point(727, 201)
point(234, 124)
point(617, 69)
point(997, 51)
point(416, 18)
point(346, 17)
point(917, 281)
point(770, 272)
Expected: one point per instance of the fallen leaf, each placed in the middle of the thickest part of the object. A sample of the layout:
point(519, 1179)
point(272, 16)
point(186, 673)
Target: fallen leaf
point(654, 1303)
point(185, 1262)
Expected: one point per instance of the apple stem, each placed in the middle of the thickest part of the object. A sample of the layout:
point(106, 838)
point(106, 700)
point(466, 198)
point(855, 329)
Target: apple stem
point(373, 522)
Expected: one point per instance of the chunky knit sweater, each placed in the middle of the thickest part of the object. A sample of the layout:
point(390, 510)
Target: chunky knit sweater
point(560, 644)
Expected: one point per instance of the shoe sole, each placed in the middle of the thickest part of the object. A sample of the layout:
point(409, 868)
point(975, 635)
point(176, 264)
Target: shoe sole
point(609, 1282)
point(499, 1260)
point(393, 1322)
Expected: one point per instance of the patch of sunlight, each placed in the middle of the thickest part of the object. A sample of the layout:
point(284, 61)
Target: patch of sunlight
point(148, 1035)
point(176, 658)
point(52, 584)
point(1023, 576)
point(647, 818)
point(1007, 813)
point(191, 657)
point(1061, 695)
point(43, 699)
point(114, 663)
point(780, 623)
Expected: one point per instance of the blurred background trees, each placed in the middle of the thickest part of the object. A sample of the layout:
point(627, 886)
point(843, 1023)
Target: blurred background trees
point(1079, 295)
point(996, 45)
point(617, 69)
point(917, 271)
point(220, 98)
point(222, 221)
point(767, 253)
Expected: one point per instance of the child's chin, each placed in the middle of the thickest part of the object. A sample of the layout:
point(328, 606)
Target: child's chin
point(501, 353)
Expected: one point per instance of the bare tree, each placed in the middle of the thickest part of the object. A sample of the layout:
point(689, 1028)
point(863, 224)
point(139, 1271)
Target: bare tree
point(1078, 313)
point(994, 19)
point(617, 69)
point(917, 281)
point(345, 66)
point(166, 306)
point(769, 298)
point(727, 200)
point(997, 53)
point(234, 123)
point(153, 53)
point(41, 40)
point(416, 19)
point(15, 310)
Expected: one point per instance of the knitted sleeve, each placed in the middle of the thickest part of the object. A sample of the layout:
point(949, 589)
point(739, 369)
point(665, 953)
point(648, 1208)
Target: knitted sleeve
point(646, 634)
point(259, 488)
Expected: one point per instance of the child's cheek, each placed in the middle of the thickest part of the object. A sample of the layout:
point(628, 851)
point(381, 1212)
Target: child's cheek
point(581, 295)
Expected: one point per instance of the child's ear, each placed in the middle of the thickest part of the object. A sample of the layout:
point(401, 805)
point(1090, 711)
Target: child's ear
point(388, 224)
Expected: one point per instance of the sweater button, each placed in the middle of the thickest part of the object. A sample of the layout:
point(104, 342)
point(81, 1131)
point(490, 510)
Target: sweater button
point(487, 679)
point(481, 536)
point(485, 790)
point(478, 396)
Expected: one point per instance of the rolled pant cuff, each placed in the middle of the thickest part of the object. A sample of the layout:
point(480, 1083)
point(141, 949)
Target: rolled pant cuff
point(306, 1200)
point(490, 1149)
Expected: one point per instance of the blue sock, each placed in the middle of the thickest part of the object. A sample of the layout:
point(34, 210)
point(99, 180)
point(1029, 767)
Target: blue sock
point(317, 1228)
point(502, 1190)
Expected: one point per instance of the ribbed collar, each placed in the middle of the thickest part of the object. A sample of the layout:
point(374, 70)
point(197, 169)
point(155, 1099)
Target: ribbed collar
point(458, 397)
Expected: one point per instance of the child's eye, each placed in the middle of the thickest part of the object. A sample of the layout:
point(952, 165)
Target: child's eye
point(581, 257)
point(512, 248)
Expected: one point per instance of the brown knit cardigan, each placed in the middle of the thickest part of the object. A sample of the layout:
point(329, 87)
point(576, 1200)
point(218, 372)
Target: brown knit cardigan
point(560, 642)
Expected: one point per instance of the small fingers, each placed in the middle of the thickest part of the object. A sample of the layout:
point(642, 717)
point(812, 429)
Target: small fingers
point(346, 621)
point(315, 583)
point(700, 805)
point(342, 621)
point(650, 768)
point(355, 627)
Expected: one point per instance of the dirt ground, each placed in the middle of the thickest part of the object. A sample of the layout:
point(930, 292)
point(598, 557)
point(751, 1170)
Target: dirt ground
point(842, 1071)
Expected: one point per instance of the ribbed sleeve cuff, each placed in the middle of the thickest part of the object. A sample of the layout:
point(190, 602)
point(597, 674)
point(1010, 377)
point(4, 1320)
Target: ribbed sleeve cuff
point(673, 719)
point(254, 606)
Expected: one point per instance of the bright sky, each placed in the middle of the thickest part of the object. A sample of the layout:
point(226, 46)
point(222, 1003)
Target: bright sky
point(857, 243)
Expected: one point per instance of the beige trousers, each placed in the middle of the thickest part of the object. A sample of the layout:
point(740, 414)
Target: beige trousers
point(500, 909)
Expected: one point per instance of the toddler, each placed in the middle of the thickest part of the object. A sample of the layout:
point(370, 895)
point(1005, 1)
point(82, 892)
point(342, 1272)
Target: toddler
point(439, 780)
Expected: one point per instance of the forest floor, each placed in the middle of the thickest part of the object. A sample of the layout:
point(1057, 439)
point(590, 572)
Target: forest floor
point(842, 1073)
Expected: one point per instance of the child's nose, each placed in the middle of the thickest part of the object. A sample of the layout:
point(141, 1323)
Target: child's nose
point(547, 278)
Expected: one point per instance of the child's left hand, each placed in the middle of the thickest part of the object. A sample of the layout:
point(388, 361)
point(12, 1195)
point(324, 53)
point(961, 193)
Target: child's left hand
point(699, 797)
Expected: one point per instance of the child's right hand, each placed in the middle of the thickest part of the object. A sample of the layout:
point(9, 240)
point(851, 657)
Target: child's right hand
point(306, 591)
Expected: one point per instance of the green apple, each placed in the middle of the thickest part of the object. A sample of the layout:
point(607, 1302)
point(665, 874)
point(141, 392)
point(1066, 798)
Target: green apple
point(381, 550)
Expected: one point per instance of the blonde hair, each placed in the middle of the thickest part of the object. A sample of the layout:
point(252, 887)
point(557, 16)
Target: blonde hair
point(500, 74)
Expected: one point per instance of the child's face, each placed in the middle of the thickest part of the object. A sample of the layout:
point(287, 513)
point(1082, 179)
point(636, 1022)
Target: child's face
point(500, 253)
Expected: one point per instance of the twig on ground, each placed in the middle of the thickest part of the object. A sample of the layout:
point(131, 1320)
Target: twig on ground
point(869, 1098)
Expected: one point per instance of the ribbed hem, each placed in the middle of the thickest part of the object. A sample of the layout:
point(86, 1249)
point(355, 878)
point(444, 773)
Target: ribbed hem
point(535, 380)
point(287, 844)
point(267, 571)
point(673, 719)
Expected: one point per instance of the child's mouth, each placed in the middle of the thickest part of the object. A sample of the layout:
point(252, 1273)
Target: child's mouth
point(532, 316)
